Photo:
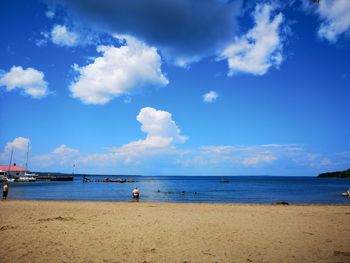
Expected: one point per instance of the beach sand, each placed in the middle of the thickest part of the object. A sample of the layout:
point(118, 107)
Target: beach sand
point(48, 231)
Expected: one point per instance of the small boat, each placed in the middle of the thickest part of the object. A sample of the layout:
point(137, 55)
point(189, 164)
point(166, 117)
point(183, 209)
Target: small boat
point(346, 193)
point(33, 175)
point(25, 178)
point(4, 177)
point(224, 180)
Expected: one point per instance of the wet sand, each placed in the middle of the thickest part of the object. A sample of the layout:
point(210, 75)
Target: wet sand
point(48, 231)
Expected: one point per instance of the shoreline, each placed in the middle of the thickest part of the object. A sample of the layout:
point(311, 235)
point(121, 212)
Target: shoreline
point(75, 231)
point(184, 203)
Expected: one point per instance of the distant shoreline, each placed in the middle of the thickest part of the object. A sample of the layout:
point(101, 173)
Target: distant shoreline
point(170, 203)
point(139, 175)
point(337, 174)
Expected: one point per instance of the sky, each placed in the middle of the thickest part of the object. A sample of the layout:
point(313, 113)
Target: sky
point(186, 87)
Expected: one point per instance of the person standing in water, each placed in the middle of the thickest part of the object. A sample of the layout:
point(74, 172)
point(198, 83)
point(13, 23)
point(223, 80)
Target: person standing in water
point(136, 193)
point(5, 190)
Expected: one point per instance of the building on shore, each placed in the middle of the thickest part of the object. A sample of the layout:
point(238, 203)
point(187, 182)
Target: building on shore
point(12, 171)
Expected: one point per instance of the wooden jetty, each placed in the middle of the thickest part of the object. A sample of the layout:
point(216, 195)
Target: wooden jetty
point(54, 178)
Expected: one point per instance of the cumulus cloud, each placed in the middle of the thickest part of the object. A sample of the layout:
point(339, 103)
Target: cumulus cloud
point(119, 71)
point(62, 36)
point(158, 123)
point(259, 49)
point(64, 150)
point(335, 16)
point(30, 81)
point(72, 35)
point(62, 155)
point(19, 147)
point(210, 97)
point(162, 134)
point(186, 30)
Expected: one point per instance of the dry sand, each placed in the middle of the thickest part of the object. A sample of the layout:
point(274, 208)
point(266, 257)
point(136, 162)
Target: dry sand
point(35, 231)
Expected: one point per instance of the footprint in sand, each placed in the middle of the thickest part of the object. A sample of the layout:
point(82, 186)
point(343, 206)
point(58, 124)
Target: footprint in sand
point(7, 227)
point(58, 218)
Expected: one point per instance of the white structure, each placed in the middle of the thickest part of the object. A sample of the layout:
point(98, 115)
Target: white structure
point(12, 171)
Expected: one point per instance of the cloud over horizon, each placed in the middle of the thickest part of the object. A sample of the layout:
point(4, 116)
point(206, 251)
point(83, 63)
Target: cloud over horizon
point(158, 149)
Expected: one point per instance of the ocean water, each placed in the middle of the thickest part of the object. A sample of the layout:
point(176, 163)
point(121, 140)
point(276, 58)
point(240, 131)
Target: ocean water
point(198, 189)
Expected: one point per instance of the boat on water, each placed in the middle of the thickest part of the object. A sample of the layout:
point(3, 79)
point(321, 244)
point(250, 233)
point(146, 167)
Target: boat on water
point(224, 180)
point(3, 176)
point(25, 179)
point(347, 193)
point(16, 173)
point(27, 176)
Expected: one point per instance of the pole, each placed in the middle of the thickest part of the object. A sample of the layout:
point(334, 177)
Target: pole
point(27, 156)
point(8, 172)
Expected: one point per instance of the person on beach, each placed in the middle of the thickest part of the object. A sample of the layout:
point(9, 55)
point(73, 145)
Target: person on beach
point(5, 190)
point(136, 193)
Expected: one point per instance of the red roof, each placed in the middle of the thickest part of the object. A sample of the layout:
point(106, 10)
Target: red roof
point(13, 168)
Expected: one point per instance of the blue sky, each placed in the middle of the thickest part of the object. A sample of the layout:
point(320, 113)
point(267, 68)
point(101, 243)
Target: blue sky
point(176, 87)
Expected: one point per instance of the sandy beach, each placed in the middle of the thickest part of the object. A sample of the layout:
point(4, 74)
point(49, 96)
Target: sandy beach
point(47, 231)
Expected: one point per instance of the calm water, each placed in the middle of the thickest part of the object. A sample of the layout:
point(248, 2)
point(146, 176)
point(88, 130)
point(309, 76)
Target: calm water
point(209, 189)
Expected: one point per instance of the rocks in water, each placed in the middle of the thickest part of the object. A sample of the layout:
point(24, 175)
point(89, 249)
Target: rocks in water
point(119, 180)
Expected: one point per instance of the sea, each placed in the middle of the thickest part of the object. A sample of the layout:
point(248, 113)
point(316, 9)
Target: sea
point(191, 189)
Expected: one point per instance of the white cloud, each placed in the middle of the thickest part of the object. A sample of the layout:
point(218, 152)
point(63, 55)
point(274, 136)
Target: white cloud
point(50, 14)
point(73, 35)
point(119, 71)
point(62, 36)
point(259, 49)
point(30, 81)
point(335, 16)
point(62, 155)
point(162, 134)
point(218, 150)
point(19, 147)
point(257, 159)
point(210, 97)
point(240, 157)
point(64, 150)
point(158, 123)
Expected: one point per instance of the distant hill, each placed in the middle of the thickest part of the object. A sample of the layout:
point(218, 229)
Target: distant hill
point(338, 174)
